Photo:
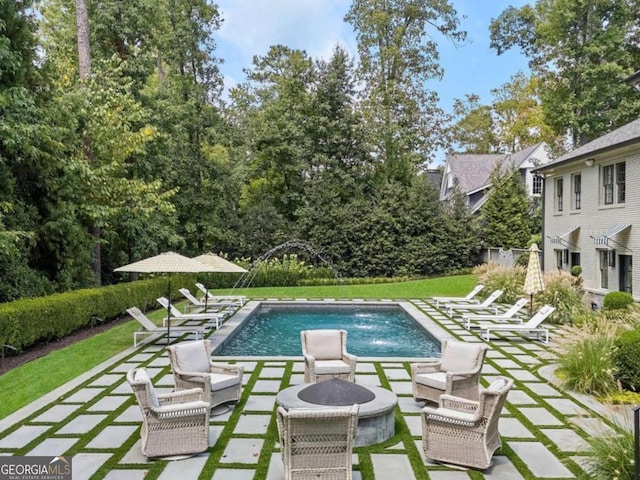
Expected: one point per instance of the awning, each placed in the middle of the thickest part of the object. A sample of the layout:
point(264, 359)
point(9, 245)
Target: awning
point(603, 238)
point(563, 238)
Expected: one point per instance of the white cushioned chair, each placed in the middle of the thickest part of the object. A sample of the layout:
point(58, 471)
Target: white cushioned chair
point(173, 424)
point(465, 432)
point(325, 356)
point(457, 372)
point(193, 366)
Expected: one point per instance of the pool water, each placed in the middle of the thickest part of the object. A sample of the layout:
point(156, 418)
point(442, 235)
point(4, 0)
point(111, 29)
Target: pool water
point(372, 331)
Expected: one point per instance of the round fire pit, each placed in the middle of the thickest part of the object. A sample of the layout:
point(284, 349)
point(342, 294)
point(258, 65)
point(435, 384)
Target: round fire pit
point(375, 414)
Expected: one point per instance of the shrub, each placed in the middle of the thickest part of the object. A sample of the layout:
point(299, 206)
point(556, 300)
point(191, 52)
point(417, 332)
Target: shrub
point(626, 359)
point(617, 301)
point(587, 366)
point(561, 292)
point(508, 279)
point(576, 270)
point(611, 456)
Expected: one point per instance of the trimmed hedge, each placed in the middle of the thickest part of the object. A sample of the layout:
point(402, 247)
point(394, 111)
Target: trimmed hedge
point(29, 321)
point(626, 358)
point(617, 301)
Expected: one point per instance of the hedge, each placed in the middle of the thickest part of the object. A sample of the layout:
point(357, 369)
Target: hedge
point(29, 321)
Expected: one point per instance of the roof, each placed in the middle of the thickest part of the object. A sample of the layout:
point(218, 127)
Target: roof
point(626, 135)
point(634, 79)
point(472, 170)
point(518, 158)
point(434, 175)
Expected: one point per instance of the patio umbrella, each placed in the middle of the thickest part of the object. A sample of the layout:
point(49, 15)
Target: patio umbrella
point(168, 262)
point(533, 282)
point(220, 264)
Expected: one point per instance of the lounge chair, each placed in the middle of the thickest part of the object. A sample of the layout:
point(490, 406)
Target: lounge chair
point(532, 326)
point(457, 372)
point(205, 307)
point(486, 304)
point(465, 432)
point(212, 317)
point(151, 328)
point(469, 298)
point(230, 300)
point(509, 315)
point(325, 356)
point(317, 442)
point(173, 424)
point(192, 367)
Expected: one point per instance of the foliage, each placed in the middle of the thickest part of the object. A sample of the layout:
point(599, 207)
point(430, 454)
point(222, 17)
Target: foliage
point(626, 358)
point(506, 214)
point(617, 301)
point(581, 51)
point(610, 455)
point(497, 277)
point(587, 366)
point(576, 270)
point(562, 292)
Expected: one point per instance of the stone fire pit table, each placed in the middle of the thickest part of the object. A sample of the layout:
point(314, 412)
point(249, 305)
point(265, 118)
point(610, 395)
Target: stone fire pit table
point(375, 417)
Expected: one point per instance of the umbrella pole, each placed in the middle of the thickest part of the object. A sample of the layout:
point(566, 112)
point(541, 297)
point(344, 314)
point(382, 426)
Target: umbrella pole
point(531, 305)
point(169, 313)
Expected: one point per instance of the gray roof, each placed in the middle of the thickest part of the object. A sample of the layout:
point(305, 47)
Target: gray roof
point(518, 158)
point(620, 137)
point(473, 169)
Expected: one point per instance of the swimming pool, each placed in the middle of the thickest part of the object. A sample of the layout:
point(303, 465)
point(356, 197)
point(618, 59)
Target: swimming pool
point(372, 331)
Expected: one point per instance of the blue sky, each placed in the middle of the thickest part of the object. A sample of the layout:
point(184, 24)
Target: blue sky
point(316, 26)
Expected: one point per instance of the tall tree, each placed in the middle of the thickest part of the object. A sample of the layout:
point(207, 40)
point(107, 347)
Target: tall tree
point(582, 50)
point(398, 57)
point(475, 130)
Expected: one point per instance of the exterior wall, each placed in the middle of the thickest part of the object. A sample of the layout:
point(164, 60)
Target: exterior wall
point(593, 218)
point(538, 157)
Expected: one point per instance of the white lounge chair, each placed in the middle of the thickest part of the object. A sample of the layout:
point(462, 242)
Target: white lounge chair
point(232, 300)
point(532, 326)
point(151, 328)
point(212, 317)
point(201, 306)
point(486, 304)
point(469, 298)
point(509, 315)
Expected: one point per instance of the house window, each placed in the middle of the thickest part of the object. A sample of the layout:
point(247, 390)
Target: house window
point(621, 181)
point(614, 183)
point(559, 258)
point(537, 185)
point(603, 257)
point(559, 192)
point(577, 191)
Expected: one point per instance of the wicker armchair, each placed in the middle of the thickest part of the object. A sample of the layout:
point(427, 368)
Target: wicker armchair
point(192, 366)
point(465, 432)
point(173, 424)
point(325, 356)
point(317, 443)
point(457, 372)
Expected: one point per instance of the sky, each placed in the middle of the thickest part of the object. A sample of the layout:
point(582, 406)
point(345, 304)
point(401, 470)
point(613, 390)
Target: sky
point(250, 27)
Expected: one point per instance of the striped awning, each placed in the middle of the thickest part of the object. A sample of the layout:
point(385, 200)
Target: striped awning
point(603, 238)
point(561, 238)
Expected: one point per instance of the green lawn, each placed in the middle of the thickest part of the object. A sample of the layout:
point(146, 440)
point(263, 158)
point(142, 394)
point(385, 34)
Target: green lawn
point(32, 380)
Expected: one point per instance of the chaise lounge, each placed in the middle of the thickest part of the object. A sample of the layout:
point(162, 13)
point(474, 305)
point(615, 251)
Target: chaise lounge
point(532, 326)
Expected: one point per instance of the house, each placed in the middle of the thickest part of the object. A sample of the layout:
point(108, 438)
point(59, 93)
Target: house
point(471, 172)
point(591, 211)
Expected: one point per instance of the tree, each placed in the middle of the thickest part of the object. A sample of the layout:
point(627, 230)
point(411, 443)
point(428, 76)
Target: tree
point(582, 50)
point(398, 57)
point(475, 130)
point(505, 216)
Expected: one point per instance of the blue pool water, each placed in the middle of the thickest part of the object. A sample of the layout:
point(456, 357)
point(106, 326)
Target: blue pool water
point(382, 331)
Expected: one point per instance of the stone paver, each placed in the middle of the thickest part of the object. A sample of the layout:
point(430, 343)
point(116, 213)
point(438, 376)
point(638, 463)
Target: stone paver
point(252, 424)
point(540, 416)
point(566, 440)
point(23, 435)
point(81, 424)
point(242, 450)
point(187, 468)
point(262, 403)
point(392, 466)
point(86, 464)
point(541, 462)
point(112, 436)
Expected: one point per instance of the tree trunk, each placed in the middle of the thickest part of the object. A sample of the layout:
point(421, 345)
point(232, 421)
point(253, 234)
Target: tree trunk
point(84, 70)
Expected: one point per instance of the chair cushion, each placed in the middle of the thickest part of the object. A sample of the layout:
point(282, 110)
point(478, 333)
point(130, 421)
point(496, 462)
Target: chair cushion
point(220, 381)
point(434, 380)
point(142, 376)
point(459, 357)
point(192, 357)
point(497, 385)
point(324, 344)
point(327, 367)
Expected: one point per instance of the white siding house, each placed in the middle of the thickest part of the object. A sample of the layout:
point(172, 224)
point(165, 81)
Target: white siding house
point(592, 211)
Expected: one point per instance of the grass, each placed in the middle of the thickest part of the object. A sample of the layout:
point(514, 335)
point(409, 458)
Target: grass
point(57, 368)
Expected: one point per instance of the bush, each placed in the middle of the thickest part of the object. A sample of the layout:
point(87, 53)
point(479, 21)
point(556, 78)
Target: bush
point(561, 291)
point(496, 277)
point(611, 456)
point(576, 270)
point(617, 301)
point(626, 359)
point(587, 366)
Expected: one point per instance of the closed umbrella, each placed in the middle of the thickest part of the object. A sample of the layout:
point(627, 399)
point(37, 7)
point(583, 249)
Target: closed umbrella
point(533, 282)
point(168, 262)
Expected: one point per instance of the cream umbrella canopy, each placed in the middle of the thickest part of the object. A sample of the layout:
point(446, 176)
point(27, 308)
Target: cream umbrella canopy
point(168, 262)
point(533, 282)
point(220, 264)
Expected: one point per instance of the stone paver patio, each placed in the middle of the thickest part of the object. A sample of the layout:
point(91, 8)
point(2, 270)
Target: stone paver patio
point(95, 420)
